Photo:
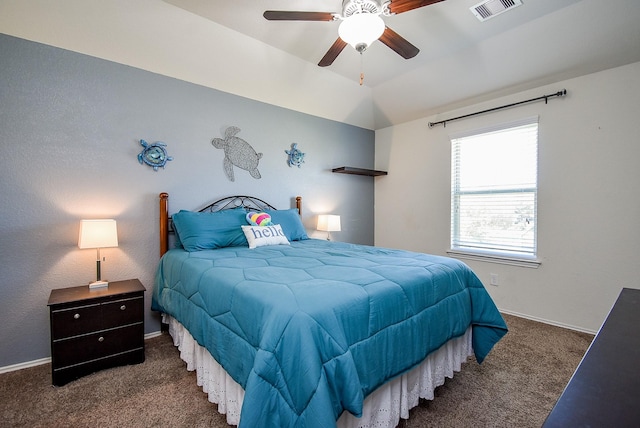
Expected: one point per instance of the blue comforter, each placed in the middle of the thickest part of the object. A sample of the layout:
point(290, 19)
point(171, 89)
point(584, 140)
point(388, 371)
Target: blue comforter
point(309, 330)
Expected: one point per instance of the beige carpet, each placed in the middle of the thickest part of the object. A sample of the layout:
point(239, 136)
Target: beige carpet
point(516, 386)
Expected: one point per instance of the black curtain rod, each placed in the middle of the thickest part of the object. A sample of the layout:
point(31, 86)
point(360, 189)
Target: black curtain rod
point(560, 93)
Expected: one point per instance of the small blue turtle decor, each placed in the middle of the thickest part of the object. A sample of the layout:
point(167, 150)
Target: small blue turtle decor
point(237, 152)
point(296, 157)
point(154, 155)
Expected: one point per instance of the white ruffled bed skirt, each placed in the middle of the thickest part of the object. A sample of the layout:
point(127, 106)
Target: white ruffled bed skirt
point(382, 409)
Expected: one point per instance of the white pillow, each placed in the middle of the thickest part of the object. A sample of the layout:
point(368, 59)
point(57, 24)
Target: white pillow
point(257, 236)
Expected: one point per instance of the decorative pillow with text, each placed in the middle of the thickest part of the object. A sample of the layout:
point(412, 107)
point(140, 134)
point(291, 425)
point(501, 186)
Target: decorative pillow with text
point(258, 236)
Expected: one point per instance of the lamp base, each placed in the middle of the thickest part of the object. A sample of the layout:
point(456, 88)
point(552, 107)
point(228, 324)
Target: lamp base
point(98, 284)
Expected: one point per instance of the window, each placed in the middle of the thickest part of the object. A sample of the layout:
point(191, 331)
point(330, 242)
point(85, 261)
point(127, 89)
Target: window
point(494, 188)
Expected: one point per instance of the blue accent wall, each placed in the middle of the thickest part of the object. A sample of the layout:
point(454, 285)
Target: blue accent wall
point(70, 126)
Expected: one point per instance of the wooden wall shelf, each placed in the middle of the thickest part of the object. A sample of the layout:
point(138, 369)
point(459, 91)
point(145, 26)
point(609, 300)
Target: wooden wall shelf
point(358, 171)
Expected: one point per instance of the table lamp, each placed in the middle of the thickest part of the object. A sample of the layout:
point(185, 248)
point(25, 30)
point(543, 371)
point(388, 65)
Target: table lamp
point(329, 223)
point(98, 234)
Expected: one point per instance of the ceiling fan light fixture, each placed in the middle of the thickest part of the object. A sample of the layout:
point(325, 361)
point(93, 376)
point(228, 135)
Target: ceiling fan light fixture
point(360, 30)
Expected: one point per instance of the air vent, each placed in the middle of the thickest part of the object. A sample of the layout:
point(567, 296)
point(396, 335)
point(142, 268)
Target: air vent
point(490, 8)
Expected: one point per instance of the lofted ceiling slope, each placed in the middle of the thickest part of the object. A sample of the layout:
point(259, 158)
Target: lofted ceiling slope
point(461, 59)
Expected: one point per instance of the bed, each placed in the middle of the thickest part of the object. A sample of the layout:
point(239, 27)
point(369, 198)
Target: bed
point(287, 331)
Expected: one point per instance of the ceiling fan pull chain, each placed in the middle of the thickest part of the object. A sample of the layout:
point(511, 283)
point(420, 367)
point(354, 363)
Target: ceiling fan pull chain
point(361, 70)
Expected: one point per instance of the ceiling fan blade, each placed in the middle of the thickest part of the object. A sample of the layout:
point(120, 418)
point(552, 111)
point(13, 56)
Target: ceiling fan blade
point(283, 15)
point(400, 6)
point(398, 43)
point(332, 53)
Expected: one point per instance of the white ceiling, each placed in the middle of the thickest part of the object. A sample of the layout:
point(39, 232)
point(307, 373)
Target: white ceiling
point(461, 59)
point(229, 46)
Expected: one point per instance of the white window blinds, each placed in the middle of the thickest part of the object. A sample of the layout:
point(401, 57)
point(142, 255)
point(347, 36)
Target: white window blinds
point(494, 190)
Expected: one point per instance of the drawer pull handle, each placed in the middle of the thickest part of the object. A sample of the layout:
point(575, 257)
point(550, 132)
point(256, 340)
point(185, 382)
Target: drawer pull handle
point(101, 339)
point(123, 307)
point(76, 316)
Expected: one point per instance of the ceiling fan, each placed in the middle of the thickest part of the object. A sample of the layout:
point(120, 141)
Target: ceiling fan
point(361, 25)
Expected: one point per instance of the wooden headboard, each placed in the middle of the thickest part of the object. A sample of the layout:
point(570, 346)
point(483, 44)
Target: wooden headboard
point(230, 202)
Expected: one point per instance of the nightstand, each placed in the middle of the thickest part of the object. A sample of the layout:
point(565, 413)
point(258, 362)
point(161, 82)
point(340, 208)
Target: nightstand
point(95, 329)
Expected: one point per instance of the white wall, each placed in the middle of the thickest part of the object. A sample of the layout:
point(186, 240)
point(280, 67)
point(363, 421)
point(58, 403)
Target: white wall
point(588, 200)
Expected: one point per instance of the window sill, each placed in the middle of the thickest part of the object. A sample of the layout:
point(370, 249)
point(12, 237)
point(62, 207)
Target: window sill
point(493, 258)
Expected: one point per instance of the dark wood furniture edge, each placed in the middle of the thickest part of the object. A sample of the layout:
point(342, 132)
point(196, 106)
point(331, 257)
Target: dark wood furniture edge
point(604, 388)
point(358, 171)
point(164, 223)
point(83, 292)
point(299, 205)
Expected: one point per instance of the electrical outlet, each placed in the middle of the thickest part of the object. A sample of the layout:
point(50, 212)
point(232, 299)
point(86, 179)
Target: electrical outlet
point(494, 279)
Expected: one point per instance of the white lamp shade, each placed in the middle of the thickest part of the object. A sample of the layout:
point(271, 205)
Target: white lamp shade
point(329, 223)
point(98, 234)
point(361, 29)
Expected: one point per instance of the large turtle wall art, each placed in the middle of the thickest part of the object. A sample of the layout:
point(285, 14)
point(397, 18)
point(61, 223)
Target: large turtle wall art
point(237, 152)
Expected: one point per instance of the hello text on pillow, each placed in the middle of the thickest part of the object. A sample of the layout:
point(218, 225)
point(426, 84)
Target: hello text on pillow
point(258, 236)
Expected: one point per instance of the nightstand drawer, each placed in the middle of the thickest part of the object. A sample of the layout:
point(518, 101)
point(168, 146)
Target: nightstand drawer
point(62, 376)
point(75, 321)
point(122, 312)
point(79, 349)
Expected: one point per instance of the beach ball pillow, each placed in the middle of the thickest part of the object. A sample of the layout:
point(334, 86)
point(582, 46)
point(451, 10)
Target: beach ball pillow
point(259, 219)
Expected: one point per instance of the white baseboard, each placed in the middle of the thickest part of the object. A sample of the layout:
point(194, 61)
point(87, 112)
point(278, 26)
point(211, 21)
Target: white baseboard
point(41, 361)
point(545, 321)
point(152, 335)
point(25, 365)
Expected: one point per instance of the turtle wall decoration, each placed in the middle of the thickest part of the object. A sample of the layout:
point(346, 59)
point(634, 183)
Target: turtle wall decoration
point(237, 152)
point(296, 157)
point(155, 155)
